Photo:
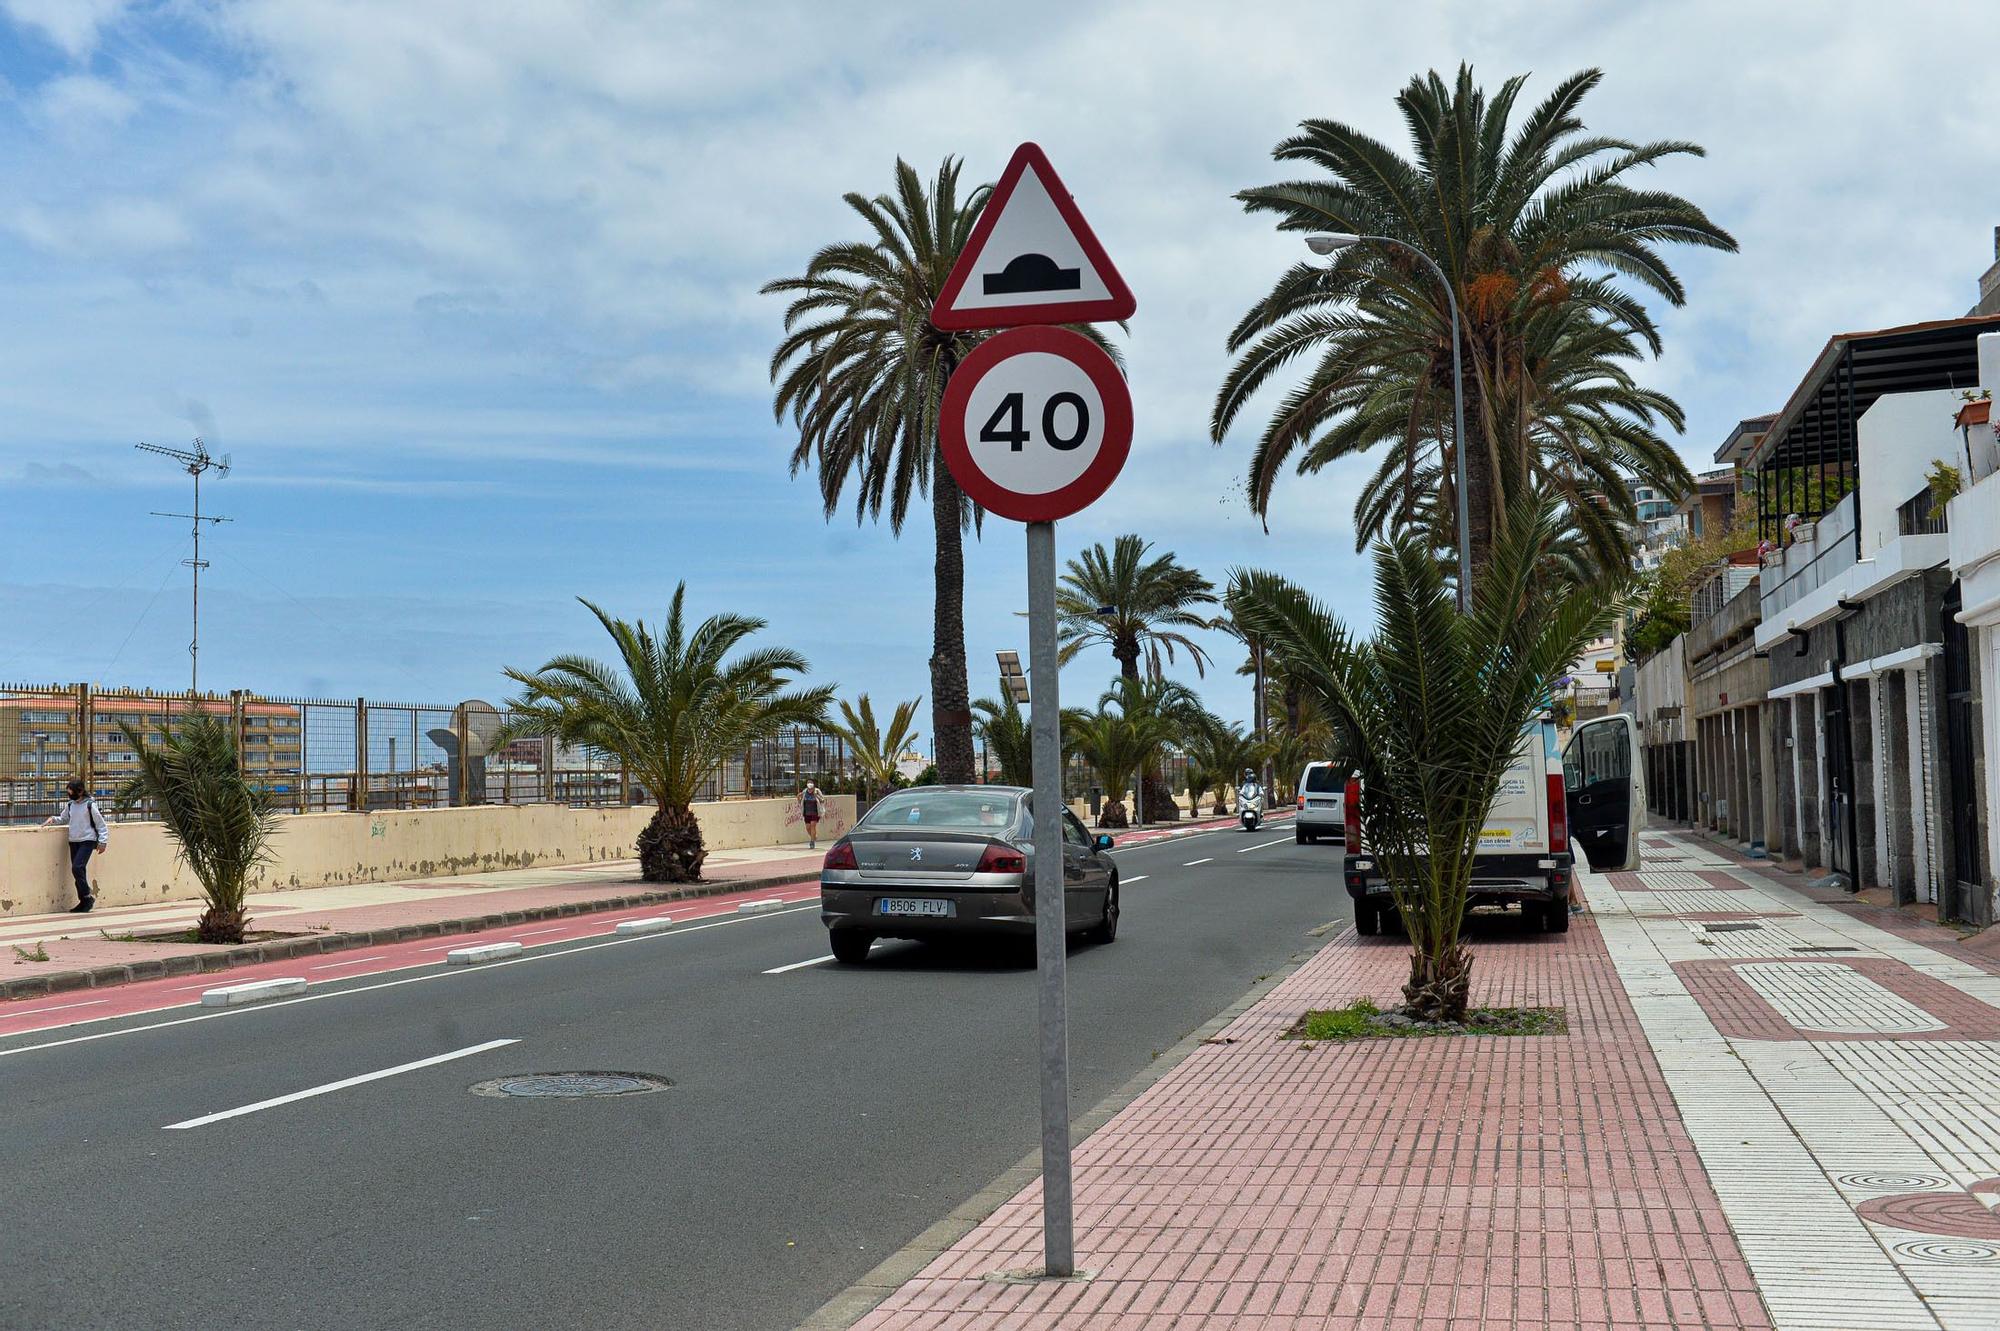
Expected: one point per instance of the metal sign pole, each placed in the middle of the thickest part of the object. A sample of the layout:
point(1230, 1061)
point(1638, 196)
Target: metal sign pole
point(1051, 934)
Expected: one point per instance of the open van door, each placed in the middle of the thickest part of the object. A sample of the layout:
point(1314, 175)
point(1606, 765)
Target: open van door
point(1605, 792)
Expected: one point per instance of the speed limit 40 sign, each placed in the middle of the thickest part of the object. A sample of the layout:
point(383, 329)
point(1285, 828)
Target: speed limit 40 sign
point(1036, 423)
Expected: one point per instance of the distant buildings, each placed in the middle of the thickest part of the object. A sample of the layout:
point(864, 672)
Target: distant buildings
point(40, 738)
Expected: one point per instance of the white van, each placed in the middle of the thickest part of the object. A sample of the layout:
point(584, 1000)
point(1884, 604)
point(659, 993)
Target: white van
point(1590, 794)
point(1322, 806)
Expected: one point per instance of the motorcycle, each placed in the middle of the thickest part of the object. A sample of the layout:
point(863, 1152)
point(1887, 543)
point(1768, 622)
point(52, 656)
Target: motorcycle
point(1250, 807)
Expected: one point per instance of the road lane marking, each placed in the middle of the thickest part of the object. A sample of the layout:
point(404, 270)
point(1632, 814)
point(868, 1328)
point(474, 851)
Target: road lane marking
point(1261, 844)
point(1151, 841)
point(395, 984)
point(1191, 863)
point(800, 965)
point(340, 1085)
point(355, 961)
point(1136, 878)
point(533, 932)
point(60, 1007)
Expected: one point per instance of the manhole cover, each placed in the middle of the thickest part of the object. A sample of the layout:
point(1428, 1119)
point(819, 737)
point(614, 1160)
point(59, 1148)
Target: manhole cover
point(1732, 926)
point(572, 1085)
point(1893, 1182)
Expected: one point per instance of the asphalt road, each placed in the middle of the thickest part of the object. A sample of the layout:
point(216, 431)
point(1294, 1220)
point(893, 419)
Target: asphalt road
point(819, 1118)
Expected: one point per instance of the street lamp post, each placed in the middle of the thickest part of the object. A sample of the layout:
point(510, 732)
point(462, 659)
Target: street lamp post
point(1332, 242)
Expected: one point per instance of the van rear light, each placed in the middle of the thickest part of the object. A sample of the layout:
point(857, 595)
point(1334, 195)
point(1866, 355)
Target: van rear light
point(1558, 814)
point(1302, 802)
point(1350, 802)
point(840, 857)
point(1002, 859)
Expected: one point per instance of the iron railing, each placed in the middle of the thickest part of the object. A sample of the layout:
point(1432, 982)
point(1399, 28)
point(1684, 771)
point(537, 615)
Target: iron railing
point(322, 755)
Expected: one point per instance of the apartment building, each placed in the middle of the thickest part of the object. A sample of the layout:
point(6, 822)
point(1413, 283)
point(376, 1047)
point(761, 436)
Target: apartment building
point(41, 740)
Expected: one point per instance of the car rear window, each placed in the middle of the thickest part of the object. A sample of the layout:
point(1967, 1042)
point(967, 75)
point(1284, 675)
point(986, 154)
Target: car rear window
point(1323, 779)
point(957, 810)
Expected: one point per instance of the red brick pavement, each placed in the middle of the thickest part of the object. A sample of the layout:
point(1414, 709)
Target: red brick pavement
point(1412, 1185)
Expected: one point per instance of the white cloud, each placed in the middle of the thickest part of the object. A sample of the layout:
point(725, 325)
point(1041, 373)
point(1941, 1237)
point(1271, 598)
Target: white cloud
point(472, 232)
point(73, 25)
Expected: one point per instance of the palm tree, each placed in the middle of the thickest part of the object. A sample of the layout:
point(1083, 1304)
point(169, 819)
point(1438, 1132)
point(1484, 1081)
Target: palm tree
point(1008, 738)
point(875, 749)
point(1221, 753)
point(1134, 605)
point(1533, 225)
point(861, 370)
point(221, 826)
point(1433, 710)
point(1116, 746)
point(674, 711)
point(1164, 712)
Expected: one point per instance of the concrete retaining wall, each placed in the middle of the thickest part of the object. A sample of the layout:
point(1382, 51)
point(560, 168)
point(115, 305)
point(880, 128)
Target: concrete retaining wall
point(330, 849)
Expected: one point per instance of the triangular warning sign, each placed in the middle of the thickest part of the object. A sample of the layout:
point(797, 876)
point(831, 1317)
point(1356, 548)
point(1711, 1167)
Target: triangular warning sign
point(1031, 258)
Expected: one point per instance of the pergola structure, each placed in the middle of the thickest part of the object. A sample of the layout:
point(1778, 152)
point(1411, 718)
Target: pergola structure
point(1807, 459)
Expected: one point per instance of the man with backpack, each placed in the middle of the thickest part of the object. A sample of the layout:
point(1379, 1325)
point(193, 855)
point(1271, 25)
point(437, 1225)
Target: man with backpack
point(87, 835)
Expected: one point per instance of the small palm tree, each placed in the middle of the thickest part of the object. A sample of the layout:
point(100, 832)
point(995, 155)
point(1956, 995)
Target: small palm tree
point(1134, 605)
point(1008, 738)
point(1223, 753)
point(1115, 745)
point(1433, 709)
point(672, 714)
point(221, 826)
point(876, 750)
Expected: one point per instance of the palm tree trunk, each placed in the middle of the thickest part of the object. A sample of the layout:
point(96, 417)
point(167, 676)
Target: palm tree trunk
point(951, 698)
point(1480, 484)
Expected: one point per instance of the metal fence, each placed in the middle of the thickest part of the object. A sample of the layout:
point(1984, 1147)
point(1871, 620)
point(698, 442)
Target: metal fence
point(313, 755)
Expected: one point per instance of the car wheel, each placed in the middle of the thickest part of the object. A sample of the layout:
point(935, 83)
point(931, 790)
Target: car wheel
point(1106, 930)
point(850, 946)
point(1555, 917)
point(1367, 919)
point(1299, 835)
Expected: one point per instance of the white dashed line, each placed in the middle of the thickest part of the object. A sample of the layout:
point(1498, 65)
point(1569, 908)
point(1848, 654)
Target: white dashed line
point(340, 1085)
point(1191, 863)
point(799, 965)
point(1261, 844)
point(60, 1007)
point(1135, 878)
point(330, 965)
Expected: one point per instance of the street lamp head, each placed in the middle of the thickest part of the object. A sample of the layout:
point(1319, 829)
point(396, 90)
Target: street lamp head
point(1329, 241)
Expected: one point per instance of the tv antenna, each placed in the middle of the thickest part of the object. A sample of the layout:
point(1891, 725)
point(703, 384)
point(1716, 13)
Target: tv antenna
point(194, 461)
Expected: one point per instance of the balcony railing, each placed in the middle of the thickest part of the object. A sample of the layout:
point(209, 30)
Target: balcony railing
point(1913, 516)
point(1819, 552)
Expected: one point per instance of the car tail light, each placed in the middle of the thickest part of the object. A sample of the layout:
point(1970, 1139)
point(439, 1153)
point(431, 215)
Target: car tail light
point(1002, 859)
point(840, 857)
point(1350, 801)
point(1302, 803)
point(1558, 814)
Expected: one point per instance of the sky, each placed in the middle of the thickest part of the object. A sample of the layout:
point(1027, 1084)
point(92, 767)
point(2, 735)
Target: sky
point(468, 291)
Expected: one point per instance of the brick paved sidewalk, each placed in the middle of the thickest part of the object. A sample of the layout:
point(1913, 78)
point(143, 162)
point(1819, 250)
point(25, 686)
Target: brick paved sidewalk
point(1408, 1185)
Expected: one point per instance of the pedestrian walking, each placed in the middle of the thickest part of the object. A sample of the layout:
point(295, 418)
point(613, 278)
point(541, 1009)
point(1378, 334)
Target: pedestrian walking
point(87, 836)
point(811, 802)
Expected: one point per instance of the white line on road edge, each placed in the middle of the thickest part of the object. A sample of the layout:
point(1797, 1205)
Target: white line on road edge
point(799, 965)
point(535, 932)
point(92, 1002)
point(252, 991)
point(651, 925)
point(472, 956)
point(540, 955)
point(340, 1085)
point(354, 961)
point(1191, 863)
point(1261, 844)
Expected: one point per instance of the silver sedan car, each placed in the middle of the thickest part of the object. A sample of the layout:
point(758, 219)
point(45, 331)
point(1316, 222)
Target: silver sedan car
point(954, 862)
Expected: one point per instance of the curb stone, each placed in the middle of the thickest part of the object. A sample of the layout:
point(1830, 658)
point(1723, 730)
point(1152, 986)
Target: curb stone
point(285, 949)
point(849, 1306)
